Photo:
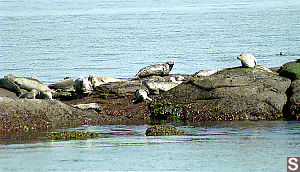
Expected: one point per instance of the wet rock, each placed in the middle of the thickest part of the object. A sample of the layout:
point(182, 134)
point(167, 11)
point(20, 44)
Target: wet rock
point(161, 130)
point(244, 91)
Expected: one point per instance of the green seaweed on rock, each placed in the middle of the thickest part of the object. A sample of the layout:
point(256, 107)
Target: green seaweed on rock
point(162, 130)
point(72, 135)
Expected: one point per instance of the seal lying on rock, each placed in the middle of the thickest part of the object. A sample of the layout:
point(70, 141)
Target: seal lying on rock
point(141, 95)
point(158, 69)
point(65, 85)
point(97, 81)
point(30, 84)
point(30, 95)
point(82, 85)
point(9, 85)
point(203, 73)
point(155, 87)
point(247, 60)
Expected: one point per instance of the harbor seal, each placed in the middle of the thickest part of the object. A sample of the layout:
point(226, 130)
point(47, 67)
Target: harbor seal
point(158, 69)
point(247, 60)
point(30, 95)
point(156, 87)
point(82, 85)
point(141, 95)
point(9, 85)
point(205, 73)
point(30, 84)
point(65, 85)
point(97, 81)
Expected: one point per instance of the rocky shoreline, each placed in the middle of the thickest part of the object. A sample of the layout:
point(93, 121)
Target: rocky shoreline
point(239, 93)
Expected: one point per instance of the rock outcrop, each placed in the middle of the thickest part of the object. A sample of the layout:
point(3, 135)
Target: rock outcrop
point(17, 113)
point(248, 92)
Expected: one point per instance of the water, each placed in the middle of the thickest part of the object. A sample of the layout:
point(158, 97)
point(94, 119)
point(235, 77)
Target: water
point(215, 146)
point(115, 38)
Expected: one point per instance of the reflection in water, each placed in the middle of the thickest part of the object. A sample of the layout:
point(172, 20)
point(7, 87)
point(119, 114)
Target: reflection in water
point(233, 146)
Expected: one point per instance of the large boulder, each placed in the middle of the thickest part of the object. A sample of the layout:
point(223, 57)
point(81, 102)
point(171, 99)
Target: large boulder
point(20, 114)
point(241, 92)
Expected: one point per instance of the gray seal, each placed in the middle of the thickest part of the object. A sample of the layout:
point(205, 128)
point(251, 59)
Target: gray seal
point(65, 85)
point(141, 95)
point(30, 95)
point(156, 87)
point(30, 84)
point(247, 60)
point(82, 85)
point(9, 85)
point(158, 69)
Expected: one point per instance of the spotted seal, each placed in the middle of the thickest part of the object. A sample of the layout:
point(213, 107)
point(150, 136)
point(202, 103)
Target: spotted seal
point(141, 95)
point(30, 84)
point(30, 95)
point(205, 73)
point(82, 85)
point(11, 86)
point(158, 69)
point(65, 85)
point(156, 87)
point(247, 60)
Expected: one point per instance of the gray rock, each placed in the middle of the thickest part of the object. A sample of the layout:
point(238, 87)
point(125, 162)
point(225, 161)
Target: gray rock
point(245, 91)
point(295, 100)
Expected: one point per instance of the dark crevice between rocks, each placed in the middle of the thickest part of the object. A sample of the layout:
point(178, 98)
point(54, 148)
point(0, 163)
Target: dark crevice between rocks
point(287, 107)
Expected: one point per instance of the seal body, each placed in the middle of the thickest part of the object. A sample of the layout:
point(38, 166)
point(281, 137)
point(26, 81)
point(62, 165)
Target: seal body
point(82, 85)
point(65, 85)
point(11, 86)
point(158, 69)
point(247, 60)
point(30, 95)
point(204, 73)
point(156, 87)
point(141, 95)
point(29, 84)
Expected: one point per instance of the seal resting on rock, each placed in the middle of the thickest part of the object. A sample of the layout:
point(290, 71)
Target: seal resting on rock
point(247, 60)
point(158, 69)
point(30, 84)
point(82, 85)
point(30, 95)
point(141, 95)
point(156, 87)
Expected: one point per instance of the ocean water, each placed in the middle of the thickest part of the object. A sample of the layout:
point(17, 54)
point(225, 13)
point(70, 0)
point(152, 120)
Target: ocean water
point(217, 146)
point(54, 39)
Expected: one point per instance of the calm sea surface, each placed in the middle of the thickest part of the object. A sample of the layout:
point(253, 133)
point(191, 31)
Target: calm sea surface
point(52, 39)
point(219, 146)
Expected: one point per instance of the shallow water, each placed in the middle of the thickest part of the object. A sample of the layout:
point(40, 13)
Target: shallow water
point(115, 38)
point(210, 146)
